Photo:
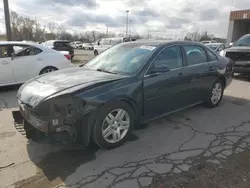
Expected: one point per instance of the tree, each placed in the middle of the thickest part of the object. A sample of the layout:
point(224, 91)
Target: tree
point(120, 35)
point(52, 27)
point(193, 36)
point(93, 33)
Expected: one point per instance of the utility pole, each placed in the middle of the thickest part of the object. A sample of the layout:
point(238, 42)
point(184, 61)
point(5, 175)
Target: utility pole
point(107, 31)
point(127, 23)
point(7, 19)
point(130, 30)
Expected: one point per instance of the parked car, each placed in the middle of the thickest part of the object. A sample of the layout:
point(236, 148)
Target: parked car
point(240, 54)
point(88, 46)
point(128, 84)
point(60, 45)
point(106, 43)
point(20, 61)
point(76, 44)
point(217, 47)
point(208, 41)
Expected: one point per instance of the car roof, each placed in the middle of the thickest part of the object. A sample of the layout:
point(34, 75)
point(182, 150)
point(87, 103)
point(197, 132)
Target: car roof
point(164, 42)
point(216, 43)
point(57, 41)
point(25, 43)
point(19, 43)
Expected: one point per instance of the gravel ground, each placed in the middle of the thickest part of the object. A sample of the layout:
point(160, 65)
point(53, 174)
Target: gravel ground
point(234, 172)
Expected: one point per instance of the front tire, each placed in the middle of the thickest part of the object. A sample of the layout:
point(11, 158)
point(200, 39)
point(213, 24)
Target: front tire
point(114, 125)
point(215, 94)
point(95, 52)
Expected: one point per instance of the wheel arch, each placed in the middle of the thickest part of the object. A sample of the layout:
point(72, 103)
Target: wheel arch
point(88, 133)
point(47, 68)
point(222, 78)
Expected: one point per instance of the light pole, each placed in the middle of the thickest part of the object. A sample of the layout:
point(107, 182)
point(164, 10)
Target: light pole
point(130, 30)
point(7, 19)
point(127, 23)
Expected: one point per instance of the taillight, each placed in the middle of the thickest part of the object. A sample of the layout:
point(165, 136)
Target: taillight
point(67, 56)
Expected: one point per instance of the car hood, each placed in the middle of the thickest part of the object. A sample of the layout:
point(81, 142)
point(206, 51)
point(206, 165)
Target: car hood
point(238, 49)
point(61, 82)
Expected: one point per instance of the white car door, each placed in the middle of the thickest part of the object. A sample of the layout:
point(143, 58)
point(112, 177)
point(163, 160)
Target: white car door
point(27, 62)
point(6, 73)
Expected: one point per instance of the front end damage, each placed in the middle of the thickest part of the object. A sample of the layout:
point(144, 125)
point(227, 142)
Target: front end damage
point(56, 119)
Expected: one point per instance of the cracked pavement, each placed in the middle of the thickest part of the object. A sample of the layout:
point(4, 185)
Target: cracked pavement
point(166, 146)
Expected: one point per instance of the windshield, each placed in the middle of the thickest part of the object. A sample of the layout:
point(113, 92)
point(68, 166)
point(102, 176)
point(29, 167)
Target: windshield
point(121, 59)
point(213, 46)
point(243, 41)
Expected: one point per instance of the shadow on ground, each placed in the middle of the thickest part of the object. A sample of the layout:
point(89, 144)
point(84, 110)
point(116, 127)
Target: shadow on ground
point(242, 77)
point(8, 96)
point(56, 166)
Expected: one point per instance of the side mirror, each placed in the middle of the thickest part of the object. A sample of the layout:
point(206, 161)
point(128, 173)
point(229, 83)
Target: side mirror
point(160, 69)
point(231, 44)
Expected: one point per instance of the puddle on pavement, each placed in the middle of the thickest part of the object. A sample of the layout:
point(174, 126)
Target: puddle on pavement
point(55, 167)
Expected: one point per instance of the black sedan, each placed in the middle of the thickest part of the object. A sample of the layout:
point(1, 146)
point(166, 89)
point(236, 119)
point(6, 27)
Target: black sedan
point(126, 85)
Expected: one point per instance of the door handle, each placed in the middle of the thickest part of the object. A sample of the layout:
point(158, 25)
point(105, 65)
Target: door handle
point(180, 74)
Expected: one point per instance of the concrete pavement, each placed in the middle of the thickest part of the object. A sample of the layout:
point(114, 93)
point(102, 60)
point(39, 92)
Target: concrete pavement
point(165, 146)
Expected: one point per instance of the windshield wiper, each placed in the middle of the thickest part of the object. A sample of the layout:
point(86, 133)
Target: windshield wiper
point(103, 70)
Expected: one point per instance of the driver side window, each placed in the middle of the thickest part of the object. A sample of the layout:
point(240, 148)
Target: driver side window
point(170, 56)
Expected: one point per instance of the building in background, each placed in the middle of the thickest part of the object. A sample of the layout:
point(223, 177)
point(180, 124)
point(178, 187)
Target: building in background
point(239, 24)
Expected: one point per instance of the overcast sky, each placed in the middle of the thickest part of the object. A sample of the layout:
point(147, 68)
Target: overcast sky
point(161, 17)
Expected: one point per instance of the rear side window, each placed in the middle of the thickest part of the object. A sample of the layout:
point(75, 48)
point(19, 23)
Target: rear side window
point(211, 56)
point(61, 44)
point(195, 54)
point(26, 50)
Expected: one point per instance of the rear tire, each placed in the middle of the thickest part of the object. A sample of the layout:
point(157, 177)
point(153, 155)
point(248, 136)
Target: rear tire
point(47, 70)
point(215, 94)
point(114, 125)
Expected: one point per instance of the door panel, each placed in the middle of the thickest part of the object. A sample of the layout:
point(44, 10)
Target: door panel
point(164, 93)
point(6, 73)
point(198, 82)
point(27, 63)
point(198, 71)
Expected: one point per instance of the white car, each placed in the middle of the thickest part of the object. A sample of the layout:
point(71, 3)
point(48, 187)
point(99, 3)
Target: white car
point(106, 43)
point(76, 44)
point(20, 61)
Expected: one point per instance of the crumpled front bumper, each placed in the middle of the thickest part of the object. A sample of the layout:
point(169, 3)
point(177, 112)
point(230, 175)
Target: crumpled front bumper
point(38, 130)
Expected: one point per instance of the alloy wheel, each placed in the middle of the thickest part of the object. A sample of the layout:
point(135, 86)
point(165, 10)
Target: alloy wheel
point(216, 93)
point(115, 126)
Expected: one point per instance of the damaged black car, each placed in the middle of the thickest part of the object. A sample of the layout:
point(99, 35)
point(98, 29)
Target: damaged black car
point(125, 86)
